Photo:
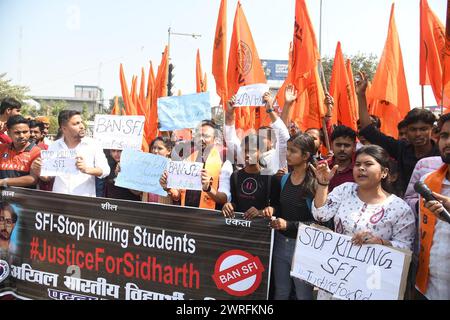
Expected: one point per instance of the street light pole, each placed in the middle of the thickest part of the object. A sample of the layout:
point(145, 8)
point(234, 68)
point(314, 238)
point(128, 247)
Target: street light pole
point(169, 32)
point(193, 35)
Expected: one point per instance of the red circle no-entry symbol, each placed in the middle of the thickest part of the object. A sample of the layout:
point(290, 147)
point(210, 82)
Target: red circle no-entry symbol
point(238, 273)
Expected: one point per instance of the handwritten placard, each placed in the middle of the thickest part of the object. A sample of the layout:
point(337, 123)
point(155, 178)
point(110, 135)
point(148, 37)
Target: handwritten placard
point(141, 171)
point(119, 132)
point(183, 112)
point(251, 95)
point(184, 175)
point(58, 163)
point(331, 262)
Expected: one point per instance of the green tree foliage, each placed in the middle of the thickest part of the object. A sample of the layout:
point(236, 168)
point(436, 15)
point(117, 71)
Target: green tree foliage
point(9, 90)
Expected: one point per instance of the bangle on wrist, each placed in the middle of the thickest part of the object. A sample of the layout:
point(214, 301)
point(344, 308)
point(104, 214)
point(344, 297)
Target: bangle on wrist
point(323, 184)
point(270, 110)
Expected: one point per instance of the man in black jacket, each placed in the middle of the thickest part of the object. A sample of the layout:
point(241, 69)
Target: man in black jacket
point(419, 145)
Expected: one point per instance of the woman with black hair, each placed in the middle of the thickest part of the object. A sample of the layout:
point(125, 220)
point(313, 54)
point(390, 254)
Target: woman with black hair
point(290, 204)
point(364, 209)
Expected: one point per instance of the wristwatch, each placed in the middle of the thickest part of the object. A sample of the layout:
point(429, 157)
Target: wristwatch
point(270, 110)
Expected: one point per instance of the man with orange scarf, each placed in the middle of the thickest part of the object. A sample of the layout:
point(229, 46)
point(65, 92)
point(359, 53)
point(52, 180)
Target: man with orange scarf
point(216, 171)
point(433, 275)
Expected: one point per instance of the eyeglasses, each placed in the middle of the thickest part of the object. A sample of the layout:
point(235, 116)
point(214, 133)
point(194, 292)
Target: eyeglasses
point(6, 221)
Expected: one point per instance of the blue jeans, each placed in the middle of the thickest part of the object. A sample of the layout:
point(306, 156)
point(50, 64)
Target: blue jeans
point(283, 253)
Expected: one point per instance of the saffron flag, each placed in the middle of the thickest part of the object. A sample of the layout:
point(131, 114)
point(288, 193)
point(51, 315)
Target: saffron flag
point(244, 67)
point(130, 108)
point(354, 97)
point(432, 45)
point(160, 91)
point(389, 91)
point(305, 56)
point(446, 73)
point(287, 81)
point(340, 90)
point(219, 61)
point(116, 109)
point(199, 80)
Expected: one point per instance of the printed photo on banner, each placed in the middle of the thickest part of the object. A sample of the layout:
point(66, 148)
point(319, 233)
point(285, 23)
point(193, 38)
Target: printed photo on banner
point(184, 175)
point(58, 163)
point(251, 95)
point(331, 262)
point(141, 171)
point(119, 132)
point(183, 112)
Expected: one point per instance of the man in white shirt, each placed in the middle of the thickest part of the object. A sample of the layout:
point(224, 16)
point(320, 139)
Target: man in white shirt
point(91, 161)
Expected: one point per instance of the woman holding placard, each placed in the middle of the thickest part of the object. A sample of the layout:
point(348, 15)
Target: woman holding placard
point(162, 146)
point(113, 191)
point(364, 209)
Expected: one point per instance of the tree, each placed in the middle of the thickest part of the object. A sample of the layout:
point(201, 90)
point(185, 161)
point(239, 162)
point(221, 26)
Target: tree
point(53, 108)
point(9, 90)
point(360, 62)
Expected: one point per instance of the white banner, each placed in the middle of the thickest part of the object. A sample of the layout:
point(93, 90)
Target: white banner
point(251, 95)
point(119, 132)
point(331, 262)
point(58, 163)
point(184, 175)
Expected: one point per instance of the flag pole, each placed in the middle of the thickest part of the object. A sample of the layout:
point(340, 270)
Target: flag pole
point(423, 98)
point(324, 125)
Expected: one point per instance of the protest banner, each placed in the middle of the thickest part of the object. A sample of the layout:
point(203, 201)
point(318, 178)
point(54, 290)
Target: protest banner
point(119, 132)
point(82, 248)
point(330, 261)
point(251, 95)
point(183, 112)
point(184, 175)
point(58, 163)
point(141, 171)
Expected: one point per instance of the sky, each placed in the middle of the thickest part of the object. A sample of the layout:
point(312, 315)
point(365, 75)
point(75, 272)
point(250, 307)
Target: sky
point(50, 45)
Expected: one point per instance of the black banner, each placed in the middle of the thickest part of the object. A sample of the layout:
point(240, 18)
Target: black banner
point(55, 246)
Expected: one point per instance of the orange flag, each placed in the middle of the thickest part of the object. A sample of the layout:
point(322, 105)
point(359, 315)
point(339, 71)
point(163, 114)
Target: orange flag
point(148, 102)
point(446, 73)
point(142, 98)
point(432, 44)
point(199, 75)
point(340, 90)
point(116, 109)
point(134, 96)
point(287, 81)
point(353, 97)
point(389, 90)
point(244, 67)
point(205, 82)
point(305, 53)
point(129, 105)
point(219, 59)
point(160, 91)
point(305, 57)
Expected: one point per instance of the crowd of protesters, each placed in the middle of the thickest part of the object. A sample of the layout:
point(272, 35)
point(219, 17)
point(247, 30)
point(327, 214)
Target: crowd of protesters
point(362, 186)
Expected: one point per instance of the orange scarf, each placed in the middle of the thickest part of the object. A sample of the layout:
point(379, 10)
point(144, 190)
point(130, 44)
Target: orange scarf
point(427, 224)
point(213, 166)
